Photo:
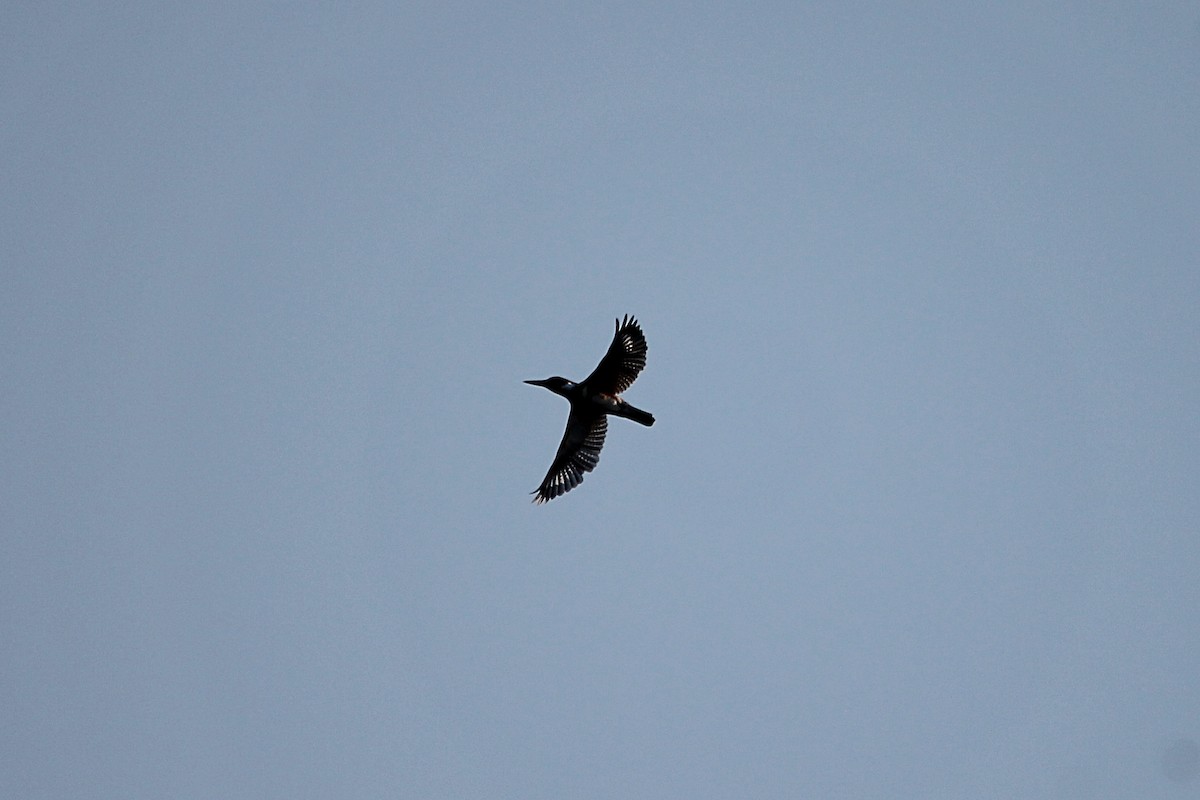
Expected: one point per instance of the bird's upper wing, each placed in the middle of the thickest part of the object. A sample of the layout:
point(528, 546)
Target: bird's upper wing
point(578, 453)
point(626, 357)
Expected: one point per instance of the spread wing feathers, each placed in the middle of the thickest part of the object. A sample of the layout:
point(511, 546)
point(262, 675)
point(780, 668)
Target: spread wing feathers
point(578, 453)
point(626, 357)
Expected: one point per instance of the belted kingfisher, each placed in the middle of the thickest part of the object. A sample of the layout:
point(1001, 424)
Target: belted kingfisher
point(591, 402)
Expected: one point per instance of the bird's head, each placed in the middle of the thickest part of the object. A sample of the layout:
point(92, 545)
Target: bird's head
point(556, 384)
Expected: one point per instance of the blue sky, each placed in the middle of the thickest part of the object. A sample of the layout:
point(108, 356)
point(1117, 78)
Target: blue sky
point(919, 515)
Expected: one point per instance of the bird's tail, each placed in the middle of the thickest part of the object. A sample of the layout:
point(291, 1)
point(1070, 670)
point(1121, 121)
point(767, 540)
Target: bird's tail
point(636, 414)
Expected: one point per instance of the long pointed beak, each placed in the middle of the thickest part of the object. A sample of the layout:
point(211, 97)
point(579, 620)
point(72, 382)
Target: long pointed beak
point(536, 383)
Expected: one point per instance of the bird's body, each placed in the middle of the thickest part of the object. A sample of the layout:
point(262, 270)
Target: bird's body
point(592, 401)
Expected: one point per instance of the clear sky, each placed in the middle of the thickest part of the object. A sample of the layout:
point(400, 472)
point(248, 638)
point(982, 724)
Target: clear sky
point(920, 514)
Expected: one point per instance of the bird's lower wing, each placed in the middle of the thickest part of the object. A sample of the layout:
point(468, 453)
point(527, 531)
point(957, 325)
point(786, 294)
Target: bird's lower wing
point(579, 452)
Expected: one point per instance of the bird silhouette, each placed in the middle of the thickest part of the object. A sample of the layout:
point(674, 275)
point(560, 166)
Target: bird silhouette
point(592, 402)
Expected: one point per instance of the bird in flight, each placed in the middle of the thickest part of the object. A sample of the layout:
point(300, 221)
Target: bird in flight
point(592, 401)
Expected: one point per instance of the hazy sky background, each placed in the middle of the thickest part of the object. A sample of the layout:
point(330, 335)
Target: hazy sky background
point(920, 514)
